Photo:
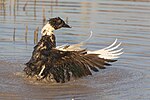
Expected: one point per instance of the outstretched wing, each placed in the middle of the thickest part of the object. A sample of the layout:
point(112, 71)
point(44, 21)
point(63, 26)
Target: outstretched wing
point(110, 52)
point(62, 66)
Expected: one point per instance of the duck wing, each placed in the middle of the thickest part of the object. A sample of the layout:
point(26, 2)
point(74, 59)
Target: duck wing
point(110, 52)
point(62, 66)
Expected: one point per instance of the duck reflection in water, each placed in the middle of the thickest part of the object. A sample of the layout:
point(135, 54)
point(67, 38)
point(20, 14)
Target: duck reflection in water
point(67, 62)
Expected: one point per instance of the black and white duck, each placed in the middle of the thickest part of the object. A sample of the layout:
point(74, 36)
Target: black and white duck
point(67, 62)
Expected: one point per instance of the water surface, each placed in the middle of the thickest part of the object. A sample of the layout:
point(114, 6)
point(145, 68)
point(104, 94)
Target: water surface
point(127, 20)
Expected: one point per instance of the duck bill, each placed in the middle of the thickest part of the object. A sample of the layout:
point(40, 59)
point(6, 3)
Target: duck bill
point(66, 26)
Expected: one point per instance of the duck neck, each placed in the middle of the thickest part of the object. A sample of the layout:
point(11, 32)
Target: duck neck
point(48, 41)
point(53, 40)
point(47, 30)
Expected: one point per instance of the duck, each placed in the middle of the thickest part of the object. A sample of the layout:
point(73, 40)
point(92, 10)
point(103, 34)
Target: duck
point(60, 64)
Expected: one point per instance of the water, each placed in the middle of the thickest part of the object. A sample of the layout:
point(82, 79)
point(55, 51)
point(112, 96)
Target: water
point(127, 20)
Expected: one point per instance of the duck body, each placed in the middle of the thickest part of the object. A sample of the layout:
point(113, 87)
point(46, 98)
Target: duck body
point(61, 64)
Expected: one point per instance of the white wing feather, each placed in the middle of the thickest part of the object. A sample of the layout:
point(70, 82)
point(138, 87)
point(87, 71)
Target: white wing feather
point(110, 52)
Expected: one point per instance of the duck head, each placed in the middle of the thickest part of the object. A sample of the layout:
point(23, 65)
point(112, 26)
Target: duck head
point(53, 24)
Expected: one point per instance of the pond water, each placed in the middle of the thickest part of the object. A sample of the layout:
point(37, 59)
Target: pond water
point(126, 20)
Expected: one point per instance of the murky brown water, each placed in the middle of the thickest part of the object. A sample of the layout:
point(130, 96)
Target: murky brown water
point(127, 20)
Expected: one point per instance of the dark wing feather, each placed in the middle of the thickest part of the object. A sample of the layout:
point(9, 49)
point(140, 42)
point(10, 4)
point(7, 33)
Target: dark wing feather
point(65, 65)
